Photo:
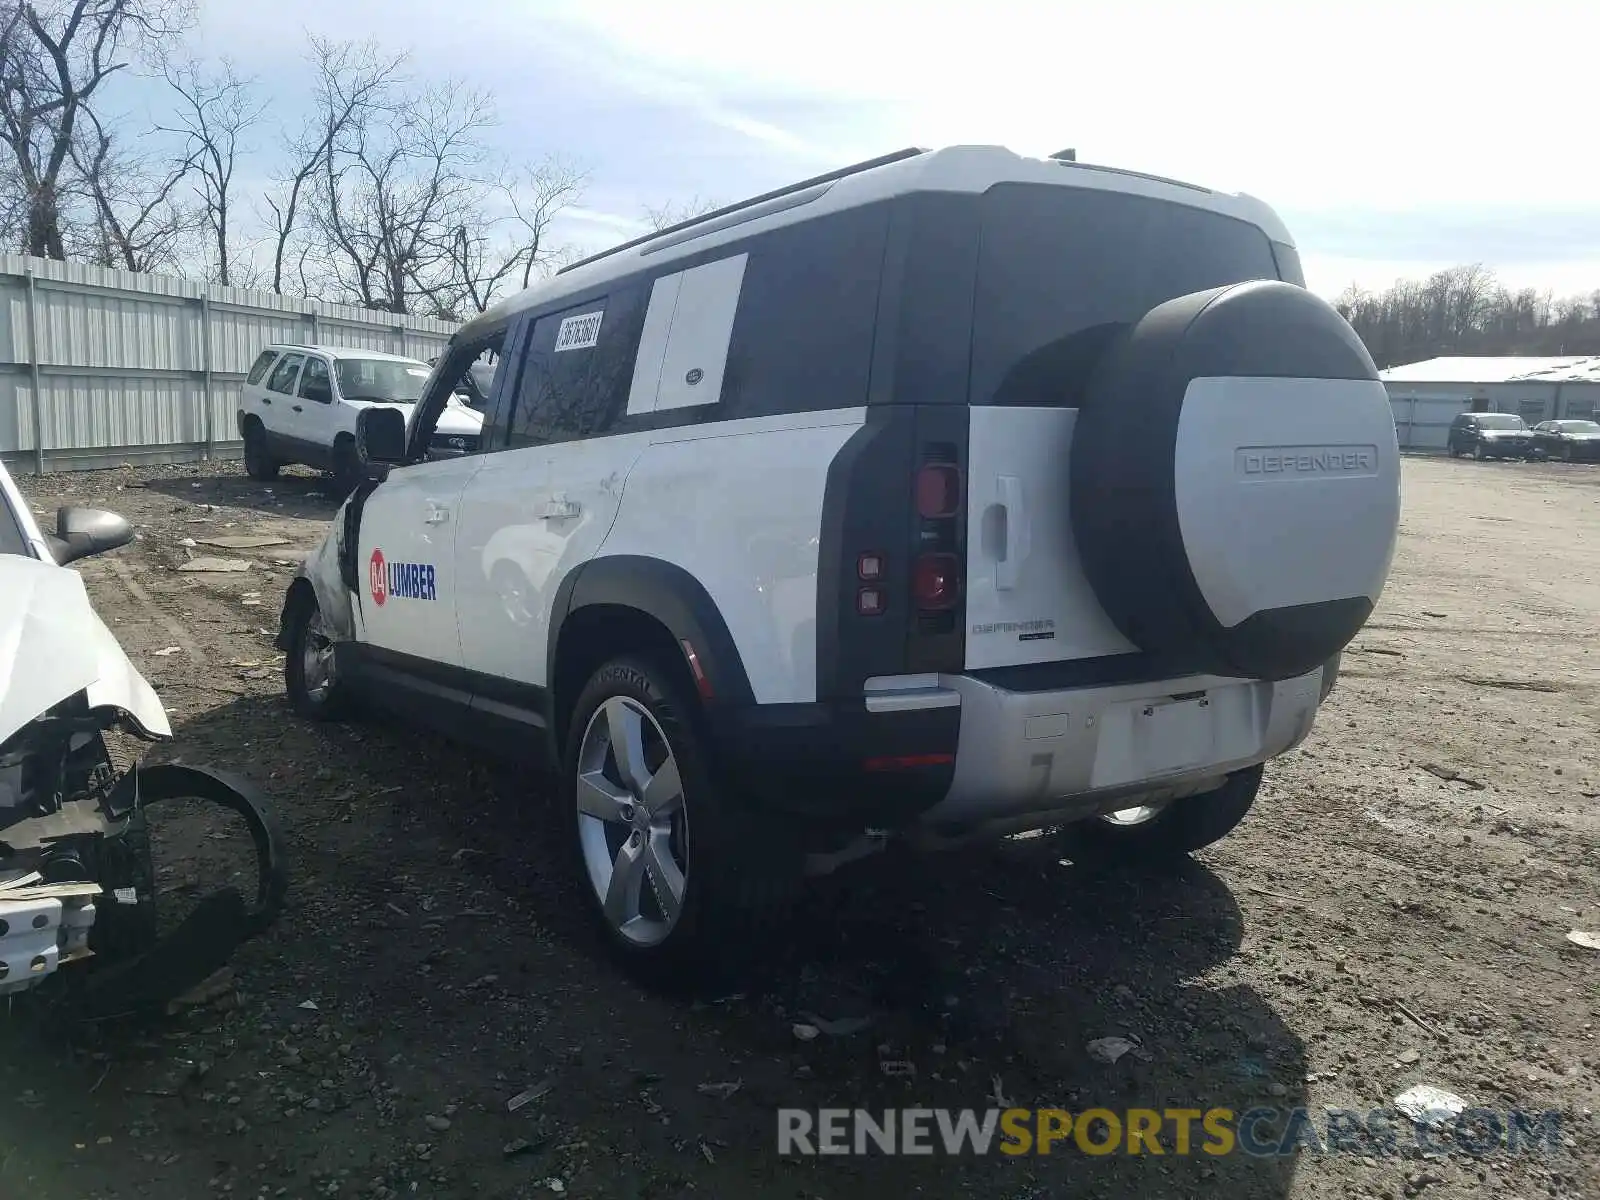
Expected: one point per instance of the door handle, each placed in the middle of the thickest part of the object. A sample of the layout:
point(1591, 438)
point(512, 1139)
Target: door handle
point(264, 400)
point(1018, 538)
point(560, 509)
point(297, 408)
point(437, 514)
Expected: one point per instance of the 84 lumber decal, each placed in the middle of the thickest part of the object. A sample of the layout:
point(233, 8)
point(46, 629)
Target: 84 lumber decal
point(399, 580)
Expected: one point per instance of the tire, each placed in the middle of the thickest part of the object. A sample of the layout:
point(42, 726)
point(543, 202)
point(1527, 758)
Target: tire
point(1454, 452)
point(314, 695)
point(258, 464)
point(1479, 454)
point(673, 918)
point(1167, 835)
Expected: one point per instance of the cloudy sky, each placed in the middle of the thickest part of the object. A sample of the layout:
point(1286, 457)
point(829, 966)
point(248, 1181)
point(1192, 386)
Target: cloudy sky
point(1394, 138)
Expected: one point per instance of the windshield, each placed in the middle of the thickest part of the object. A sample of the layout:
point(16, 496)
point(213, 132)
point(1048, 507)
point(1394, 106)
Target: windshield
point(1578, 426)
point(1500, 421)
point(392, 381)
point(1063, 271)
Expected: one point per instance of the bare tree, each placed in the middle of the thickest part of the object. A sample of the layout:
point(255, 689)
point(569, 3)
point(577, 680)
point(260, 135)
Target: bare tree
point(354, 80)
point(414, 212)
point(1463, 310)
point(138, 224)
point(54, 57)
point(215, 111)
point(496, 250)
point(396, 189)
point(664, 216)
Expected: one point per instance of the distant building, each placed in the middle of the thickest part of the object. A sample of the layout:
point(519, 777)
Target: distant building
point(1428, 395)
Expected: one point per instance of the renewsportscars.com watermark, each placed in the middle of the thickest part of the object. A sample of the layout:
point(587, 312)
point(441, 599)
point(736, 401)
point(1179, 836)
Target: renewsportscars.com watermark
point(1257, 1132)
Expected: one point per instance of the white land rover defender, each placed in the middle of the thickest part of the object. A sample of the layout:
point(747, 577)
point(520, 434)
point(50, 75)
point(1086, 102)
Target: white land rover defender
point(947, 496)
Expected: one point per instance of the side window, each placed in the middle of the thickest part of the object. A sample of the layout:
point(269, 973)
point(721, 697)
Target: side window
point(258, 369)
point(282, 377)
point(314, 382)
point(451, 425)
point(808, 306)
point(781, 323)
point(578, 370)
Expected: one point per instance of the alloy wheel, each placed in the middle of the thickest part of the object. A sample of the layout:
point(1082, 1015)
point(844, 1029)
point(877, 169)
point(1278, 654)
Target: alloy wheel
point(633, 828)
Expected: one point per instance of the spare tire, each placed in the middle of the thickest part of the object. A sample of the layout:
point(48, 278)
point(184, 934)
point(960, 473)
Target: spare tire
point(1235, 482)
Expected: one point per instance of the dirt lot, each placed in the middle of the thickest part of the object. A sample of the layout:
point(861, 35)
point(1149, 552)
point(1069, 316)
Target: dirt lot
point(1375, 924)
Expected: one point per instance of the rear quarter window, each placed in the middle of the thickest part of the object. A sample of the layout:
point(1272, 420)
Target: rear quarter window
point(803, 334)
point(1062, 271)
point(258, 371)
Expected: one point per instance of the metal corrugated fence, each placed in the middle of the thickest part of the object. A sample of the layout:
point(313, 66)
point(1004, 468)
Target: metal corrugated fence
point(100, 367)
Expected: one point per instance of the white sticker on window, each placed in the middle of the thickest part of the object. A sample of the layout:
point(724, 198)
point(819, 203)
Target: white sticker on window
point(579, 332)
point(419, 372)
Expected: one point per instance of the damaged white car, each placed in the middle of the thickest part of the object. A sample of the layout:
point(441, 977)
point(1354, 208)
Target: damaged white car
point(76, 879)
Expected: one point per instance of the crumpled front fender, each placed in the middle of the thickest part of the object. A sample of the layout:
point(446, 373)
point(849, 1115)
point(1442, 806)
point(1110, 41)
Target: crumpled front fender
point(321, 572)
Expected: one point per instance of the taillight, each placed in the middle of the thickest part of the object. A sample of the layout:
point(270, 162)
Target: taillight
point(870, 600)
point(936, 568)
point(938, 491)
point(936, 582)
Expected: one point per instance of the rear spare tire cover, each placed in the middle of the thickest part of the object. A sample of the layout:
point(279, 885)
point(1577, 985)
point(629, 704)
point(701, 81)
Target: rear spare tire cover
point(1235, 482)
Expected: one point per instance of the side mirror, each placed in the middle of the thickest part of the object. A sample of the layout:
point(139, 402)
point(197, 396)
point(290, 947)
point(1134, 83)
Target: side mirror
point(81, 532)
point(381, 435)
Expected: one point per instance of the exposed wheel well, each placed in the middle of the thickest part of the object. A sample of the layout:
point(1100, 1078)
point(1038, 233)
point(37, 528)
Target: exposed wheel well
point(593, 635)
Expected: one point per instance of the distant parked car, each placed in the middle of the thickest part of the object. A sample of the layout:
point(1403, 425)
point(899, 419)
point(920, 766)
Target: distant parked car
point(299, 405)
point(1490, 435)
point(1570, 441)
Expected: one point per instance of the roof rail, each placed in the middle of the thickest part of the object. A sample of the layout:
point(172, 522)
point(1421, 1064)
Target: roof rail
point(855, 169)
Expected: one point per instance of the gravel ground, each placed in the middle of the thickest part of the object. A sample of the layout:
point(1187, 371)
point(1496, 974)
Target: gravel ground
point(1395, 911)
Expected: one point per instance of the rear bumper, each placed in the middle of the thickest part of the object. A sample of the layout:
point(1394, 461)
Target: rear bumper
point(838, 763)
point(952, 753)
point(1051, 756)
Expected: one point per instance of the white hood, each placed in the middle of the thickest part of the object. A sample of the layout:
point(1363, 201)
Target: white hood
point(53, 645)
point(458, 419)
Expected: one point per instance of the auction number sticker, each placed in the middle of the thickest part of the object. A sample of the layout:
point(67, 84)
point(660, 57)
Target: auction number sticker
point(579, 332)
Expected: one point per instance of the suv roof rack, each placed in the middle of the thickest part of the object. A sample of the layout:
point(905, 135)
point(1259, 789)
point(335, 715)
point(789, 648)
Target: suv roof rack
point(829, 177)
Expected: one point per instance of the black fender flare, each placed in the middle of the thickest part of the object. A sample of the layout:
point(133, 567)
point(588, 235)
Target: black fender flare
point(147, 786)
point(670, 595)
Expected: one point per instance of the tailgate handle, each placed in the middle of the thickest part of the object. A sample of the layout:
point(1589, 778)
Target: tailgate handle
point(1014, 546)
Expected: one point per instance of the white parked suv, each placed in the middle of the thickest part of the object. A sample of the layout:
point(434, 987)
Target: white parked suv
point(299, 405)
point(944, 497)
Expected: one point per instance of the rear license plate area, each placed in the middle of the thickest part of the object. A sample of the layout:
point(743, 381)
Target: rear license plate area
point(1175, 734)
